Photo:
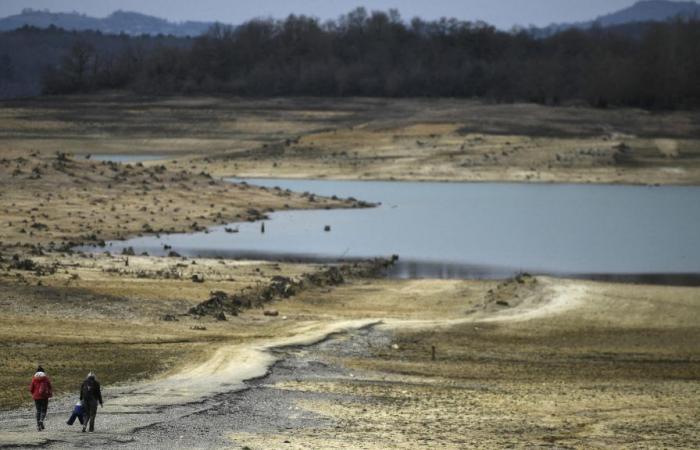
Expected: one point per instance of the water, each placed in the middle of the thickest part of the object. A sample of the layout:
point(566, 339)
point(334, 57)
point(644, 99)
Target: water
point(474, 230)
point(125, 158)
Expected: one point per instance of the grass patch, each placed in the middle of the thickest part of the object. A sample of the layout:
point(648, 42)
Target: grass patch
point(68, 364)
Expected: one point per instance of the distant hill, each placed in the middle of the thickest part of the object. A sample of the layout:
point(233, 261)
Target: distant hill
point(642, 11)
point(26, 52)
point(130, 23)
point(135, 24)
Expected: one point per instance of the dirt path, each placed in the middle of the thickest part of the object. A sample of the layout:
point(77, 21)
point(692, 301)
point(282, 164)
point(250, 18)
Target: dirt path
point(550, 299)
point(130, 408)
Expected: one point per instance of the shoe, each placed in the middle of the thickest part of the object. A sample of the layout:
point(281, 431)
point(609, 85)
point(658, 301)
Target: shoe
point(38, 427)
point(41, 424)
point(92, 430)
point(83, 429)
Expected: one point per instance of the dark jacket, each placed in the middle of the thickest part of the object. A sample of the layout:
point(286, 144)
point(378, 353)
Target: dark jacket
point(90, 391)
point(40, 387)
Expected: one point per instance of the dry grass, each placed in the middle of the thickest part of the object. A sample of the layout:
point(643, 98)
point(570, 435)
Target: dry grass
point(94, 313)
point(619, 369)
point(68, 363)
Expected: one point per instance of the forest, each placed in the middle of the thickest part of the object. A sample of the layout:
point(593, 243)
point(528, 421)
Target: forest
point(655, 66)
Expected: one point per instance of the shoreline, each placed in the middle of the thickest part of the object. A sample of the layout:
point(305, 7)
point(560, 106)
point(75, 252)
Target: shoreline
point(499, 181)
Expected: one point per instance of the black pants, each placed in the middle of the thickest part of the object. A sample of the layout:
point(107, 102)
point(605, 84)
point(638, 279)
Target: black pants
point(41, 407)
point(90, 413)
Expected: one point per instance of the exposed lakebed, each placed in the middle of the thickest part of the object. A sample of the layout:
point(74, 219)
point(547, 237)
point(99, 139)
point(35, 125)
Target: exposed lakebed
point(471, 230)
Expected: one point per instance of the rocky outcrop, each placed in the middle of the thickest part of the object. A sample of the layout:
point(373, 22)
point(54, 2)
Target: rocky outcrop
point(281, 288)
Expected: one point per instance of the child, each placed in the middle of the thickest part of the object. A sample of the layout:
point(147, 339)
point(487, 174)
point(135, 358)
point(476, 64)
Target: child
point(78, 412)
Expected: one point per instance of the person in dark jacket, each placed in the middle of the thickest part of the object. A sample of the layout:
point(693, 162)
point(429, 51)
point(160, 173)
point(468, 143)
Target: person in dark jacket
point(42, 391)
point(90, 395)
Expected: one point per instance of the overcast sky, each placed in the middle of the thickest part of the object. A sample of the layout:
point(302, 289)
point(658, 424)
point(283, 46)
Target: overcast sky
point(502, 13)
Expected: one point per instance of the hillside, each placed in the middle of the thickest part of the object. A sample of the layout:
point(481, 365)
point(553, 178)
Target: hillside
point(130, 23)
point(640, 12)
point(651, 11)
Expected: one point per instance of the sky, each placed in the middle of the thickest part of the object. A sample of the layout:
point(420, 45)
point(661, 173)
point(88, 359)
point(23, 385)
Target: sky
point(502, 13)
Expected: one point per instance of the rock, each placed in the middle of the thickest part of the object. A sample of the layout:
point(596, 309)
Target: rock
point(168, 318)
point(271, 313)
point(173, 254)
point(22, 264)
point(394, 346)
point(198, 278)
point(327, 228)
point(502, 303)
point(198, 328)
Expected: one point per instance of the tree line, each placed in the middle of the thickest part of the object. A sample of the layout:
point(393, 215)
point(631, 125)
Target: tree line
point(28, 55)
point(379, 54)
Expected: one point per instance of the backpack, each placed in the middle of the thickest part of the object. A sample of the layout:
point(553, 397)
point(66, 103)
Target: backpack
point(44, 391)
point(89, 389)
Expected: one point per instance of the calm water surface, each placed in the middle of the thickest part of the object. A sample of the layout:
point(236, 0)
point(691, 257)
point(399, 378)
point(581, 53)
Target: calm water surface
point(471, 230)
point(120, 158)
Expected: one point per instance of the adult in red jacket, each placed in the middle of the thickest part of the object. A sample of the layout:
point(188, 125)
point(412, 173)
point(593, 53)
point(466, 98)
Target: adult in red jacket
point(41, 390)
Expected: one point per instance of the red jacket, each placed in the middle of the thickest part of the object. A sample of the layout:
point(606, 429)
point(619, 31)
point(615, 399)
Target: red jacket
point(35, 387)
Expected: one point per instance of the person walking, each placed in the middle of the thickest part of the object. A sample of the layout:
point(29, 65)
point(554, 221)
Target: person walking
point(41, 391)
point(91, 395)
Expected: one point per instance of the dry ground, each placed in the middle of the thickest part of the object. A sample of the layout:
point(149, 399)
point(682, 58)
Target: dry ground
point(52, 200)
point(96, 313)
point(538, 362)
point(565, 365)
point(408, 139)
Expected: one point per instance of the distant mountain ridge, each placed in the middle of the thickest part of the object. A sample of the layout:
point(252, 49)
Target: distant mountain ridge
point(134, 24)
point(130, 23)
point(642, 11)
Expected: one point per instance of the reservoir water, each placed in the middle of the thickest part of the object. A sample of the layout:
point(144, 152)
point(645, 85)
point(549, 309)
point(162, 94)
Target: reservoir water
point(473, 230)
point(126, 159)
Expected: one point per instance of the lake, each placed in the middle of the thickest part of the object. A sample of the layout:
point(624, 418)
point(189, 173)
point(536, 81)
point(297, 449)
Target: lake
point(121, 158)
point(473, 230)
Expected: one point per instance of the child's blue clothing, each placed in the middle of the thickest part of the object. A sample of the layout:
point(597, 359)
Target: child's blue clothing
point(78, 413)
